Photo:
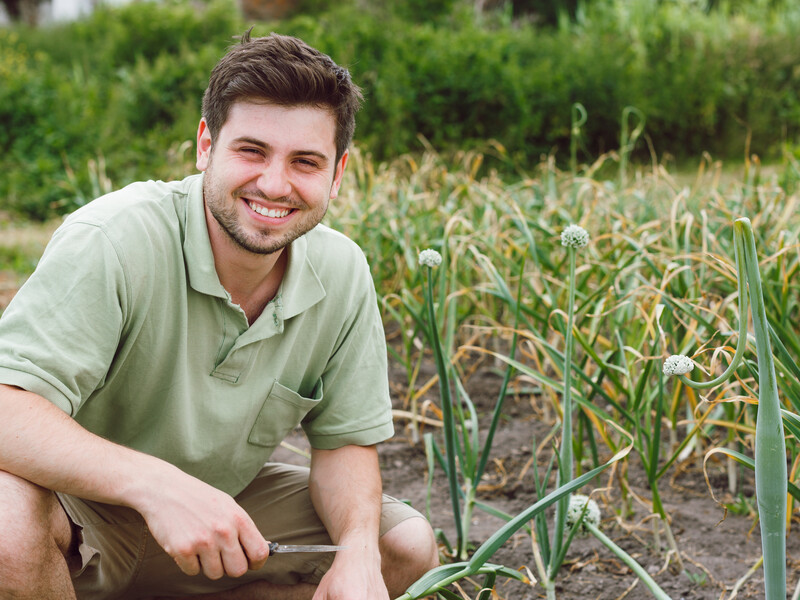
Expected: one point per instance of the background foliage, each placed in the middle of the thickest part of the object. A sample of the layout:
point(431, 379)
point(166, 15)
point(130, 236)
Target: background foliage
point(116, 97)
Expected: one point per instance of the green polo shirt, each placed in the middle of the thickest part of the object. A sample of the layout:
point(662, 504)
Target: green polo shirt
point(125, 326)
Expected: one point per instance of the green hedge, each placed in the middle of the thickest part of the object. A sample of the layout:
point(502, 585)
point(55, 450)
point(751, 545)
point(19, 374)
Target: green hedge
point(702, 80)
point(114, 95)
point(118, 94)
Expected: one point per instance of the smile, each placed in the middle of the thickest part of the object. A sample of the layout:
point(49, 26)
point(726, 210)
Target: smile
point(273, 213)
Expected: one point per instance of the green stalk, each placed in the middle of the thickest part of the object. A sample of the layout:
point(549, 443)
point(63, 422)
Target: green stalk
point(447, 414)
point(741, 342)
point(498, 408)
point(770, 446)
point(627, 141)
point(770, 452)
point(566, 468)
point(466, 517)
point(628, 560)
point(579, 117)
point(653, 448)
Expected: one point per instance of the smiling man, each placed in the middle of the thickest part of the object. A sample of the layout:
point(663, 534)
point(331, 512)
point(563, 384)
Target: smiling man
point(172, 335)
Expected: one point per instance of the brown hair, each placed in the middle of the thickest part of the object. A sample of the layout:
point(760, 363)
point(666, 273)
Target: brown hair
point(286, 71)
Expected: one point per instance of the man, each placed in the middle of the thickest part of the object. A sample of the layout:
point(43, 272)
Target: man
point(170, 337)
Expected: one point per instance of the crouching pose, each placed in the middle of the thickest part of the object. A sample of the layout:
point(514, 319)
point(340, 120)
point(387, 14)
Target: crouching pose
point(172, 335)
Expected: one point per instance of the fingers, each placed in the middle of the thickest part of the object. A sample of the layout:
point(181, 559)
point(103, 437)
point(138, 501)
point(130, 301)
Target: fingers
point(209, 534)
point(214, 565)
point(226, 554)
point(255, 547)
point(235, 562)
point(188, 563)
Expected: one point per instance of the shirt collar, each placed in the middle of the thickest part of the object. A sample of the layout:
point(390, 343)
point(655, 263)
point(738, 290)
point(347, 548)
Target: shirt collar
point(197, 245)
point(300, 289)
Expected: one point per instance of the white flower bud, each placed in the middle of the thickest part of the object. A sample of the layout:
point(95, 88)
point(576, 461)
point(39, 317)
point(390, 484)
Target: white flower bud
point(574, 236)
point(678, 364)
point(575, 510)
point(430, 258)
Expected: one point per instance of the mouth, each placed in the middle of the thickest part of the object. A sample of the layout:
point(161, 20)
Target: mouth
point(272, 213)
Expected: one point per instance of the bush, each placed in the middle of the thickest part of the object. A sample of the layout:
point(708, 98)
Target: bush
point(704, 80)
point(106, 97)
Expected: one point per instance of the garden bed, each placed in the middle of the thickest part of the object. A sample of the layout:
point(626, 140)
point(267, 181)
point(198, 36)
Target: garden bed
point(717, 549)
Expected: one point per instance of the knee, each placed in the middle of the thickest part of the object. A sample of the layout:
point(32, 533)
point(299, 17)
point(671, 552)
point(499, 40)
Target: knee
point(33, 524)
point(410, 549)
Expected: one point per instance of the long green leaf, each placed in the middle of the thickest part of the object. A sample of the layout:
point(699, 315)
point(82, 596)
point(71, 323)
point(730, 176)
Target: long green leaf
point(442, 367)
point(498, 407)
point(435, 580)
point(770, 451)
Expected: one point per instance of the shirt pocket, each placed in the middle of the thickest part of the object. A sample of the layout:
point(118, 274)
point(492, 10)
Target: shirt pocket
point(281, 412)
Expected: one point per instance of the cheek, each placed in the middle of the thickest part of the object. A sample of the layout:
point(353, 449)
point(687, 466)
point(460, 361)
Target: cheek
point(233, 176)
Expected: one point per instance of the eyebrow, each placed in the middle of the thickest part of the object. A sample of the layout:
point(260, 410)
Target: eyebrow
point(256, 142)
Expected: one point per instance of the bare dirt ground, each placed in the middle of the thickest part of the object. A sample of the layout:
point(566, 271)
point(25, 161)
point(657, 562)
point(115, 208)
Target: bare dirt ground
point(716, 550)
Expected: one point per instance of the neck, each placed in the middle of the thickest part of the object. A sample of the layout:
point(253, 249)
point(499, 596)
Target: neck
point(251, 279)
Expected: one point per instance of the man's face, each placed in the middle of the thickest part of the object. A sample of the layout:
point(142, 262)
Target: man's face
point(270, 173)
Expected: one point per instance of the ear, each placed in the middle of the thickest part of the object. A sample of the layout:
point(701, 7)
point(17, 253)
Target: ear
point(203, 145)
point(337, 177)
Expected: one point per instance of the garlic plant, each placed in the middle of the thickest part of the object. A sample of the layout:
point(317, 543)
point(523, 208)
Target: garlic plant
point(573, 238)
point(770, 448)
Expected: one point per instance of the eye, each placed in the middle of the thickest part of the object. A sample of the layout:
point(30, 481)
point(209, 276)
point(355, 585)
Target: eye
point(311, 162)
point(251, 151)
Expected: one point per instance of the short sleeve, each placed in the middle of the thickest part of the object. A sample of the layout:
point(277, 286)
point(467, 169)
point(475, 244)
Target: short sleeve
point(356, 405)
point(59, 334)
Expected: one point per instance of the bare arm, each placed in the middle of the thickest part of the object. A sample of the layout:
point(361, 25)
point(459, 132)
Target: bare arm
point(345, 488)
point(202, 528)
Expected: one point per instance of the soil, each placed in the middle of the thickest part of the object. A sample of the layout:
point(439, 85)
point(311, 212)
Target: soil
point(717, 547)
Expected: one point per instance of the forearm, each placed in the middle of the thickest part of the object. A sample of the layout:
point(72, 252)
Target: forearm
point(345, 487)
point(42, 444)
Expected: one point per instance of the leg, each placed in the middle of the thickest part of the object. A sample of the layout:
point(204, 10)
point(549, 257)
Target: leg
point(35, 541)
point(408, 551)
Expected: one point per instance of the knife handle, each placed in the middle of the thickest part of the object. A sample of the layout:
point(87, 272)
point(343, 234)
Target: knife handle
point(273, 548)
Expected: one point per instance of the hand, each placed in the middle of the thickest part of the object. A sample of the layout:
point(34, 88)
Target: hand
point(352, 578)
point(203, 528)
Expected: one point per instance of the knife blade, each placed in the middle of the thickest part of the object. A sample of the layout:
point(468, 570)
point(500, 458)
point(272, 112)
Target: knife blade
point(276, 548)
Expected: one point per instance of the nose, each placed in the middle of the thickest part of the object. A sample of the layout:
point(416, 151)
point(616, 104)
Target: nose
point(274, 180)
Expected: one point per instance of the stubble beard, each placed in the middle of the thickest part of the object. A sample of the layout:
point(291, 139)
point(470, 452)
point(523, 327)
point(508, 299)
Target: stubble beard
point(226, 214)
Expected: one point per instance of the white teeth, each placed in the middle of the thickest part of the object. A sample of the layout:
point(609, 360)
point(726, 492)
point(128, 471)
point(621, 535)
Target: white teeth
point(269, 212)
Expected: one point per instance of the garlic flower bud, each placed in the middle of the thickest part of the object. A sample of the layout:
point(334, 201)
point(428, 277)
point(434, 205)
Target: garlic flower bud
point(430, 258)
point(574, 236)
point(678, 364)
point(576, 504)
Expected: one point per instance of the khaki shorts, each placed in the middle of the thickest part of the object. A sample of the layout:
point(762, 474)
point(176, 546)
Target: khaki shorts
point(120, 560)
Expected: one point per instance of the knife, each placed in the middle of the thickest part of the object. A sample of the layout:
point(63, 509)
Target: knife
point(276, 548)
